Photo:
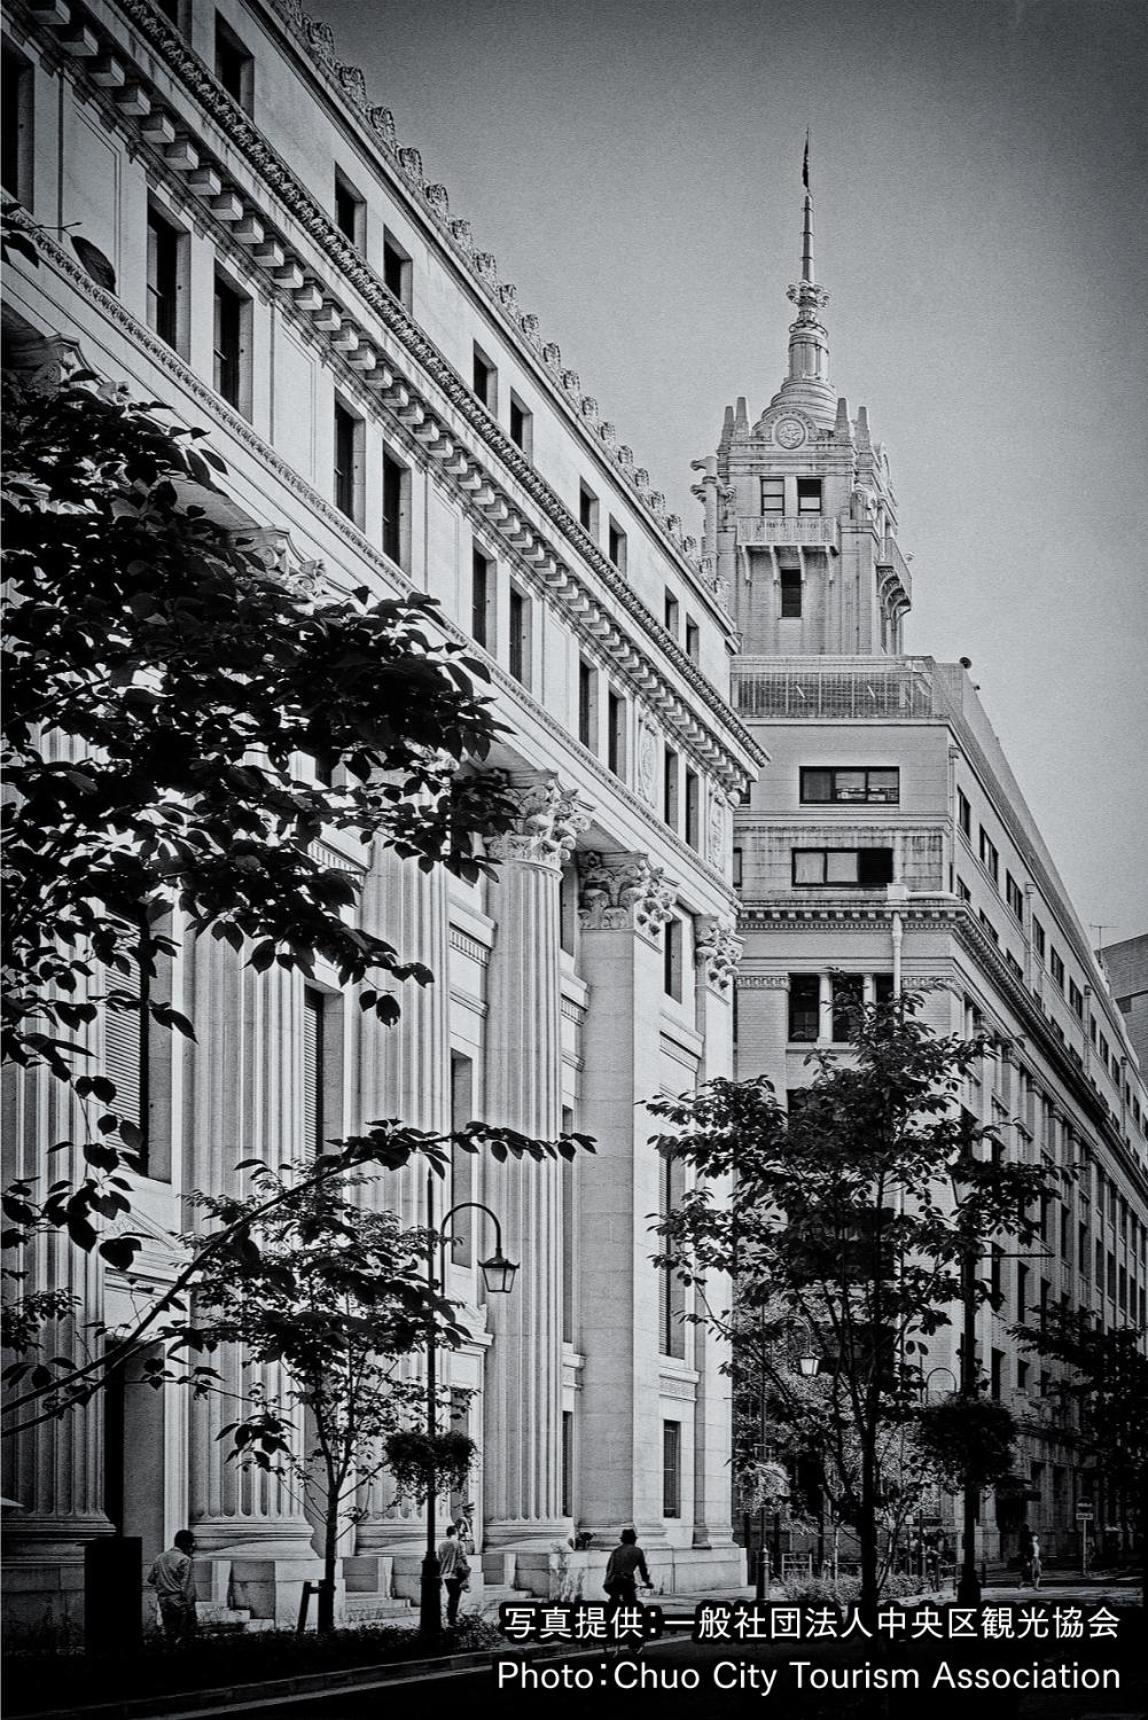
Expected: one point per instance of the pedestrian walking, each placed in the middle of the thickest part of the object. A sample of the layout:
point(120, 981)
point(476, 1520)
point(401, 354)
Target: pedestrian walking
point(172, 1576)
point(454, 1569)
point(1034, 1565)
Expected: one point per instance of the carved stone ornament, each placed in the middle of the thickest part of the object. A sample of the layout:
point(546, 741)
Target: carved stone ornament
point(550, 818)
point(354, 86)
point(382, 123)
point(322, 40)
point(717, 949)
point(647, 762)
point(715, 844)
point(622, 892)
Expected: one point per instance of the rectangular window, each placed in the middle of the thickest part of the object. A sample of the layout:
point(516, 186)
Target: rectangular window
point(587, 705)
point(670, 788)
point(521, 426)
point(127, 1052)
point(693, 808)
point(165, 253)
point(232, 361)
point(484, 379)
point(616, 733)
point(481, 591)
point(963, 891)
point(826, 867)
point(518, 661)
point(964, 814)
point(16, 128)
point(1076, 999)
point(1083, 1251)
point(350, 210)
point(773, 495)
point(1014, 896)
point(396, 511)
point(671, 1469)
point(568, 1191)
point(567, 1504)
point(990, 859)
point(848, 993)
point(881, 787)
point(1038, 938)
point(882, 988)
point(348, 463)
point(989, 927)
point(461, 1252)
point(1021, 1294)
point(996, 1372)
point(673, 1333)
point(1056, 968)
point(616, 542)
point(588, 510)
point(790, 581)
point(670, 614)
point(737, 869)
point(396, 269)
point(672, 959)
point(804, 1008)
point(809, 495)
point(314, 1072)
point(693, 640)
point(234, 66)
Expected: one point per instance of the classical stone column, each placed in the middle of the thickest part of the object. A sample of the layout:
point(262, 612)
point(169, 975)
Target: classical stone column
point(624, 903)
point(523, 1408)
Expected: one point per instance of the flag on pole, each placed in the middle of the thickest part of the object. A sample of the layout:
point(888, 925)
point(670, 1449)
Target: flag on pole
point(805, 162)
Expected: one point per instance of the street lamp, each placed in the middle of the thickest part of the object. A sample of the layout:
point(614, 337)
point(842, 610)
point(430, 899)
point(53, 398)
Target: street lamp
point(498, 1278)
point(810, 1366)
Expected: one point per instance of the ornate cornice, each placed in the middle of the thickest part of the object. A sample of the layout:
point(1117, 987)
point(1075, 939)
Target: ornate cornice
point(623, 892)
point(185, 160)
point(762, 982)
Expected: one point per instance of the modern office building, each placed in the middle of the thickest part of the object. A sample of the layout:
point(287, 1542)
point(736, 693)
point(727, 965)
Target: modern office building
point(888, 845)
point(225, 221)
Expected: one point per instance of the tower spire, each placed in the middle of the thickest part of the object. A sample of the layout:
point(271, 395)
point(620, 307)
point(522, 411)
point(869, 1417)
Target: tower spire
point(807, 384)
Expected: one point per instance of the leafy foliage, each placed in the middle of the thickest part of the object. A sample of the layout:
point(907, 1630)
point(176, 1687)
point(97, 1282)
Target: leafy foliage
point(419, 1461)
point(968, 1440)
point(164, 684)
point(854, 1211)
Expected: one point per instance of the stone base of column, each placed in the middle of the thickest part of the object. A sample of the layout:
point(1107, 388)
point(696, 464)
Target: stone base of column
point(510, 1534)
point(44, 1571)
point(256, 1568)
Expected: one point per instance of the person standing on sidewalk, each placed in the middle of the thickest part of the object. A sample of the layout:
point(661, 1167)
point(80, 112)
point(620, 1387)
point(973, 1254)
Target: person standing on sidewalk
point(454, 1569)
point(172, 1576)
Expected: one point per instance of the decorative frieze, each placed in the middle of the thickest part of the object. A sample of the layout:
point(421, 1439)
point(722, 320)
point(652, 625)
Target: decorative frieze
point(623, 892)
point(717, 949)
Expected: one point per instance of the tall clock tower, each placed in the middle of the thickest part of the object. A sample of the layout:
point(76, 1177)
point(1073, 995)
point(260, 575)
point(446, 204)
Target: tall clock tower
point(801, 519)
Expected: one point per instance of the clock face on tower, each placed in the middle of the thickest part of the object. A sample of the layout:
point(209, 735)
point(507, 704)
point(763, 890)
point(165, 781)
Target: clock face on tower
point(790, 432)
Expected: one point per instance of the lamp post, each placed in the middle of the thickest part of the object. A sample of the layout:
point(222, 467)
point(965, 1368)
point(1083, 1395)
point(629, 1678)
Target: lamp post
point(498, 1278)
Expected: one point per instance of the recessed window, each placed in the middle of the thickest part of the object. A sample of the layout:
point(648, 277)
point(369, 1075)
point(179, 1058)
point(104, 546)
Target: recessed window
point(321, 1072)
point(1038, 938)
point(990, 859)
point(518, 661)
point(481, 596)
point(671, 1469)
point(587, 705)
point(1075, 999)
point(521, 426)
point(809, 495)
point(616, 546)
point(484, 380)
point(964, 814)
point(848, 996)
point(1014, 896)
point(1056, 969)
point(166, 254)
point(736, 872)
point(350, 210)
point(789, 578)
point(670, 614)
point(616, 733)
point(693, 808)
point(348, 463)
point(16, 127)
point(693, 640)
point(670, 768)
point(672, 959)
point(234, 65)
point(773, 495)
point(396, 269)
point(963, 891)
point(588, 510)
point(232, 342)
point(989, 927)
point(825, 867)
point(804, 1008)
point(396, 510)
point(847, 783)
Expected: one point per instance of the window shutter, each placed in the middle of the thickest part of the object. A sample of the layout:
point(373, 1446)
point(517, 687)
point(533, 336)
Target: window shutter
point(312, 1073)
point(124, 1032)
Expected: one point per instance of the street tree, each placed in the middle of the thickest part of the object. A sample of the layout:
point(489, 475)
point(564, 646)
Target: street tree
point(857, 1209)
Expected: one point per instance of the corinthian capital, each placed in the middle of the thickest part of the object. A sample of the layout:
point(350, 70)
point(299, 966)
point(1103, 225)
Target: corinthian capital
point(620, 892)
point(717, 949)
point(549, 819)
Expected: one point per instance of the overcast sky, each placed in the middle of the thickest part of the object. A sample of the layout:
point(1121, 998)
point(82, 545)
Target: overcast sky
point(980, 177)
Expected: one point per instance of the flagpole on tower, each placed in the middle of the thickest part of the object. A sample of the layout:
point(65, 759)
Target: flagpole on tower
point(807, 273)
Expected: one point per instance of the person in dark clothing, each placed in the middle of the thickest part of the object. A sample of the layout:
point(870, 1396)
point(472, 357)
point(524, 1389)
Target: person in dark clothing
point(626, 1563)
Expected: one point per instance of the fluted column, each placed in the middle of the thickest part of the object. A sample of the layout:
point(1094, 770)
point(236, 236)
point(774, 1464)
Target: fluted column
point(403, 1071)
point(523, 1091)
point(624, 902)
point(243, 1102)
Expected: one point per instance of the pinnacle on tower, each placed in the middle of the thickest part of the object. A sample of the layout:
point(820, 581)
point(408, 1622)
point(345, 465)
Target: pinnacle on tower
point(807, 385)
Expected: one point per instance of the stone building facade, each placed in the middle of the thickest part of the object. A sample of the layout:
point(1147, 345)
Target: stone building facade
point(227, 223)
point(888, 845)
